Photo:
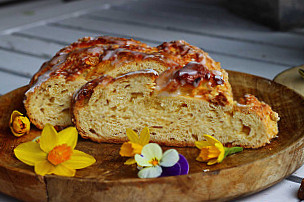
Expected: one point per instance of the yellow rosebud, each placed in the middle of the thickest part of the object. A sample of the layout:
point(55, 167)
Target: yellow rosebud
point(19, 124)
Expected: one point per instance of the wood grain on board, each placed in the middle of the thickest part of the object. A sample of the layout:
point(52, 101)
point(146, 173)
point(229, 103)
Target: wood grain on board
point(109, 179)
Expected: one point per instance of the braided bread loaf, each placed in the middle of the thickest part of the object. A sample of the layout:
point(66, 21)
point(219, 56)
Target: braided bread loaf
point(175, 89)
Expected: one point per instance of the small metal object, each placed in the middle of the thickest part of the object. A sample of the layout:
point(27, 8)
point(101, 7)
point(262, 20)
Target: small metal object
point(301, 72)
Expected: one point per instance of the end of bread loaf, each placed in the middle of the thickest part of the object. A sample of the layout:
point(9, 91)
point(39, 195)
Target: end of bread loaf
point(49, 98)
point(131, 101)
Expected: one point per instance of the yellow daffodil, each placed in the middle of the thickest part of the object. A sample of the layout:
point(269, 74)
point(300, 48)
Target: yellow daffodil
point(213, 151)
point(55, 153)
point(135, 144)
point(19, 124)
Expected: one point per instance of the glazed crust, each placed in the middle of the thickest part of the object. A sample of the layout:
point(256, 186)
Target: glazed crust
point(246, 115)
point(65, 85)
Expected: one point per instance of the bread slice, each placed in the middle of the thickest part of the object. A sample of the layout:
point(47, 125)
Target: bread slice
point(179, 107)
point(49, 98)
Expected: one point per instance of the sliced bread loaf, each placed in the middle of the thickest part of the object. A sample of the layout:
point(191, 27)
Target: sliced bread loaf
point(49, 98)
point(179, 107)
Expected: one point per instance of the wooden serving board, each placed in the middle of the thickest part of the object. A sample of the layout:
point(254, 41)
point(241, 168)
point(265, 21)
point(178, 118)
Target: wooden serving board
point(292, 79)
point(110, 180)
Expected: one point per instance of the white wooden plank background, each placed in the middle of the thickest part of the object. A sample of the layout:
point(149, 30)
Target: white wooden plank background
point(33, 32)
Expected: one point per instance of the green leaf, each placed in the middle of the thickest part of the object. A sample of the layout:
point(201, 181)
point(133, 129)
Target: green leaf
point(144, 136)
point(232, 150)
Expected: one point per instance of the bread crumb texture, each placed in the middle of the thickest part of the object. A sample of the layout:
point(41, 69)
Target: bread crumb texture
point(107, 84)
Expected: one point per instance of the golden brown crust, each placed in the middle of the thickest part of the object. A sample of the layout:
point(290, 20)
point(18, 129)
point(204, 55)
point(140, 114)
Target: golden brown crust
point(189, 72)
point(74, 53)
point(250, 104)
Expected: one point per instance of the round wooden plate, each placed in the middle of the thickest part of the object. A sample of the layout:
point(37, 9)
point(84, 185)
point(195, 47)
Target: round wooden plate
point(110, 180)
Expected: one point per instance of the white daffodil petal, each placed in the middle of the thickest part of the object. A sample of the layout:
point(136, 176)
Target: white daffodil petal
point(170, 158)
point(150, 172)
point(152, 151)
point(142, 161)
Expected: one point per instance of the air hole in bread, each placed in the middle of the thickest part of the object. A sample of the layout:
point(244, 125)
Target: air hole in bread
point(136, 95)
point(153, 133)
point(157, 126)
point(195, 137)
point(246, 130)
point(127, 86)
point(92, 131)
point(52, 99)
point(42, 110)
point(184, 105)
point(65, 111)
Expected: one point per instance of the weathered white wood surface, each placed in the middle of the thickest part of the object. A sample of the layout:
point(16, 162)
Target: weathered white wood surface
point(33, 32)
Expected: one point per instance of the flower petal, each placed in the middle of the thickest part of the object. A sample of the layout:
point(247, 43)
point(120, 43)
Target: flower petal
point(221, 156)
point(150, 172)
point(211, 139)
point(132, 135)
point(44, 168)
point(129, 149)
point(130, 161)
point(29, 153)
point(142, 161)
point(144, 136)
point(48, 138)
point(201, 144)
point(151, 151)
point(170, 158)
point(79, 160)
point(62, 170)
point(68, 136)
point(212, 161)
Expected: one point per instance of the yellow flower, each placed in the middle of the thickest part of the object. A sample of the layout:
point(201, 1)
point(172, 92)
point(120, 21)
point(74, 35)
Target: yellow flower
point(55, 153)
point(19, 124)
point(213, 151)
point(135, 144)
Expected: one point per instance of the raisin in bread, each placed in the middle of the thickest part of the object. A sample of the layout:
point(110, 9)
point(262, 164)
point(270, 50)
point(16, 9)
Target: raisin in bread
point(179, 106)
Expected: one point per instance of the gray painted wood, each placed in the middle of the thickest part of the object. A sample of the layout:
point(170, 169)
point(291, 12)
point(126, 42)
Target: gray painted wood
point(9, 82)
point(29, 46)
point(59, 35)
point(260, 52)
point(223, 27)
point(19, 64)
point(43, 15)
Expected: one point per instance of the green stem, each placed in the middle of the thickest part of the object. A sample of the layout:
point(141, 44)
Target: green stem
point(232, 150)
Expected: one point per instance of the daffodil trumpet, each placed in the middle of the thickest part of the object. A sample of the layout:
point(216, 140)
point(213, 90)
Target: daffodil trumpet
point(54, 153)
point(135, 144)
point(213, 151)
